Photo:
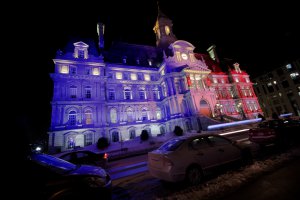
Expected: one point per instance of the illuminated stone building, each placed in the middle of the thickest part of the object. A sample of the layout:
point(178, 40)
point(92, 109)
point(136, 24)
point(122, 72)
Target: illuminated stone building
point(119, 92)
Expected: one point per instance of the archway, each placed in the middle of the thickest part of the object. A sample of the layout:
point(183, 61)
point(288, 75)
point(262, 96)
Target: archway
point(204, 108)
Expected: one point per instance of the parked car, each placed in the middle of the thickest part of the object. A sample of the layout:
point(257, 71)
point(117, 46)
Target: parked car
point(276, 131)
point(85, 157)
point(190, 157)
point(52, 178)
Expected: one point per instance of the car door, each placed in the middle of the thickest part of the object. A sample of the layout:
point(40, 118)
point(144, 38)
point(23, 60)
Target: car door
point(203, 152)
point(224, 149)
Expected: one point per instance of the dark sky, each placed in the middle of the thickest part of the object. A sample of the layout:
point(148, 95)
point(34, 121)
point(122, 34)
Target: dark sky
point(259, 37)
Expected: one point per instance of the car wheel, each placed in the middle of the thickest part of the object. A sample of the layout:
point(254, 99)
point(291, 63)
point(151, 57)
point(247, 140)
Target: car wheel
point(194, 175)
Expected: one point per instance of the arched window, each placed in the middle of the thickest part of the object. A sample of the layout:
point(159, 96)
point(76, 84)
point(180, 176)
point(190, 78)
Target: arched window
point(88, 117)
point(115, 136)
point(71, 142)
point(72, 118)
point(113, 115)
point(127, 93)
point(73, 92)
point(129, 113)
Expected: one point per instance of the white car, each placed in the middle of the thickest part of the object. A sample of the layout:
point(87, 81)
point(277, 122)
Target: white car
point(188, 157)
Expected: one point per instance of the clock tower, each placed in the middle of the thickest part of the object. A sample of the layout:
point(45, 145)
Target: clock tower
point(163, 31)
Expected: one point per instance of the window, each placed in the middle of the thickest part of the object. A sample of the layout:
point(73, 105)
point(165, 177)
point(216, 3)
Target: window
point(64, 69)
point(88, 117)
point(73, 70)
point(111, 94)
point(142, 94)
point(96, 71)
point(125, 76)
point(113, 115)
point(129, 113)
point(132, 134)
point(140, 77)
point(88, 139)
point(156, 95)
point(73, 92)
point(289, 66)
point(167, 29)
point(147, 77)
point(144, 114)
point(87, 71)
point(88, 92)
point(110, 75)
point(158, 114)
point(115, 136)
point(236, 80)
point(127, 94)
point(119, 75)
point(72, 118)
point(133, 76)
point(162, 130)
point(80, 53)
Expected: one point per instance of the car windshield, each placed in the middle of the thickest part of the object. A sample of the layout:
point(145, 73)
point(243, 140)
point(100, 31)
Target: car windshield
point(171, 145)
point(53, 163)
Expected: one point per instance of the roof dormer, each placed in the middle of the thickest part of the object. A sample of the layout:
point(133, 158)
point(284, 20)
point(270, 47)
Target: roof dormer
point(81, 50)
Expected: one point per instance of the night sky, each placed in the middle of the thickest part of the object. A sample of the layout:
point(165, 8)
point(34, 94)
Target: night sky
point(259, 37)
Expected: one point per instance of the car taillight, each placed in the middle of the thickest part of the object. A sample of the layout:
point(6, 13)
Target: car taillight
point(105, 156)
point(167, 162)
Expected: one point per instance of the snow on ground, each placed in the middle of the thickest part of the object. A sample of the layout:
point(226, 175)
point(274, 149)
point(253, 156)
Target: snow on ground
point(232, 180)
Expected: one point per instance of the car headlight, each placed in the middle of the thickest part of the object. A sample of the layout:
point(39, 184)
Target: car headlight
point(95, 181)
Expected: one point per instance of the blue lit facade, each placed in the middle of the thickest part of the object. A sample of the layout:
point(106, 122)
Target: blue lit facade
point(129, 88)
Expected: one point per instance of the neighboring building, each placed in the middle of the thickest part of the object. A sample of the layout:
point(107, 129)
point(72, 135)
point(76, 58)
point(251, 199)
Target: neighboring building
point(279, 90)
point(130, 88)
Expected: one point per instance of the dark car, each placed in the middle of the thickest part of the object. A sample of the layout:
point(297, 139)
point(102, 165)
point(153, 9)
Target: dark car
point(52, 178)
point(85, 157)
point(280, 132)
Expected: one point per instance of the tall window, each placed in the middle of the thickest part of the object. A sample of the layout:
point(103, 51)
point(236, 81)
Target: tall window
point(115, 136)
point(113, 115)
point(73, 92)
point(144, 114)
point(156, 94)
point(72, 118)
point(147, 77)
point(158, 113)
point(88, 139)
point(88, 117)
point(111, 94)
point(162, 130)
point(129, 113)
point(87, 70)
point(132, 134)
point(80, 53)
point(142, 93)
point(127, 94)
point(88, 92)
point(119, 75)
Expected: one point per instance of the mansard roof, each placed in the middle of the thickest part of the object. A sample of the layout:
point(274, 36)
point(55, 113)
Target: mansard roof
point(133, 52)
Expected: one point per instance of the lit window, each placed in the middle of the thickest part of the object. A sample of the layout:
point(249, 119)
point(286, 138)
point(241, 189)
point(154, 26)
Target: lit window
point(88, 117)
point(215, 80)
point(96, 71)
point(113, 115)
point(269, 84)
point(64, 69)
point(147, 77)
point(119, 75)
point(158, 113)
point(167, 29)
point(288, 66)
point(236, 80)
point(133, 76)
point(294, 75)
